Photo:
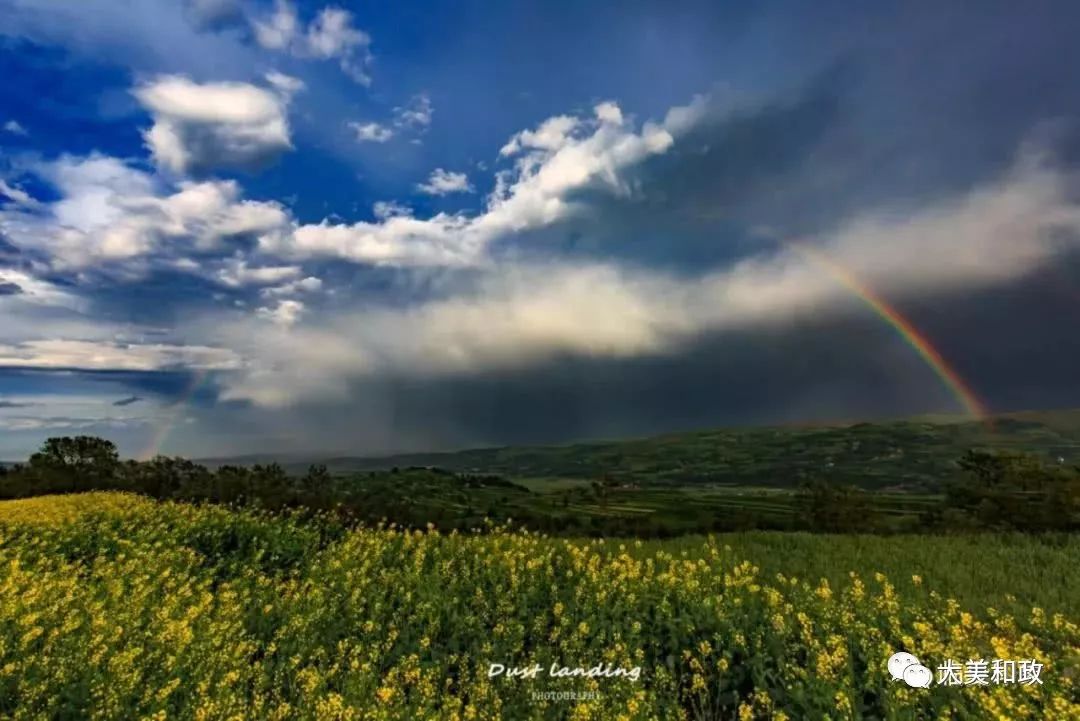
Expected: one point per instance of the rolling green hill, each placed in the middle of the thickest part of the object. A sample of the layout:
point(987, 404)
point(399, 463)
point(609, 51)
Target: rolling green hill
point(914, 454)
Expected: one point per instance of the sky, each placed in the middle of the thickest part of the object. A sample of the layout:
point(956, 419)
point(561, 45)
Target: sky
point(269, 226)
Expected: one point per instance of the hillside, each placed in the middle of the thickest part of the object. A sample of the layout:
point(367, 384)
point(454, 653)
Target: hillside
point(912, 454)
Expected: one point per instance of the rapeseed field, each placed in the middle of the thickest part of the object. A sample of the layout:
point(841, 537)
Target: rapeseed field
point(117, 607)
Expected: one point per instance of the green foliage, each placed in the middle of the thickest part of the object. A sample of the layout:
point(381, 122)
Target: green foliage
point(1016, 491)
point(833, 508)
point(62, 463)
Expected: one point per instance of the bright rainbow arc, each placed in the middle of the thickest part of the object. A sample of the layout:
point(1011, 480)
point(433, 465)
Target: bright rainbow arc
point(904, 328)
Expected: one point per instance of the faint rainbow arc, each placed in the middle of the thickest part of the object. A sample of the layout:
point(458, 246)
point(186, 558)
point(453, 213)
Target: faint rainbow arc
point(177, 409)
point(956, 385)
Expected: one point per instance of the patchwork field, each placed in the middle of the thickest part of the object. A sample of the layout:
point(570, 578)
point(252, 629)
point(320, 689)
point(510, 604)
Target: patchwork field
point(117, 607)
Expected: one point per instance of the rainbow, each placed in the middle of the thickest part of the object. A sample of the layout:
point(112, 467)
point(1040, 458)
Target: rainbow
point(956, 385)
point(157, 438)
point(952, 381)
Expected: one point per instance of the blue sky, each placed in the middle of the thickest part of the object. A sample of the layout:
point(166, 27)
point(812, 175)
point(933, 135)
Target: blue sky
point(232, 226)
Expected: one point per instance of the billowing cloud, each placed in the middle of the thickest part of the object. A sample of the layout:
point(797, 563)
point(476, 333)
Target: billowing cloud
point(550, 135)
point(200, 126)
point(516, 315)
point(330, 35)
point(559, 158)
point(396, 240)
point(445, 182)
point(300, 338)
point(110, 212)
point(237, 273)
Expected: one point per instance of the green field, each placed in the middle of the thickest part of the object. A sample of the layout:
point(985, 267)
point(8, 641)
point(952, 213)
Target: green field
point(113, 606)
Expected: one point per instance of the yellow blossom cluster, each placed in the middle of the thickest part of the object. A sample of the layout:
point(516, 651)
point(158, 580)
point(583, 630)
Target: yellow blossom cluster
point(115, 607)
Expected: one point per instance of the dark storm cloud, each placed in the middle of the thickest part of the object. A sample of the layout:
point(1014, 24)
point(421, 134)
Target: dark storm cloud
point(903, 110)
point(1012, 344)
point(695, 204)
point(739, 379)
point(127, 401)
point(849, 367)
point(7, 288)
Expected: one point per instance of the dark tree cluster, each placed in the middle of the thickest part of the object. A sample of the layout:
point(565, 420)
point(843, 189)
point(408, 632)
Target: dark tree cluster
point(1000, 491)
point(1011, 491)
point(87, 463)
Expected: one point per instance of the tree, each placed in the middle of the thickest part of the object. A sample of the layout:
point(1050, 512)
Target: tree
point(1015, 491)
point(317, 479)
point(76, 463)
point(165, 477)
point(272, 486)
point(834, 508)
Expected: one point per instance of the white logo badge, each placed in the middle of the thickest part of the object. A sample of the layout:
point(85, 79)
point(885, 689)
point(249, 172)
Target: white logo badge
point(905, 667)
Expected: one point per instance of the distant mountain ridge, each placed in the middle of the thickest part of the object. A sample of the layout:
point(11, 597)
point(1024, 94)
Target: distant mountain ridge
point(915, 453)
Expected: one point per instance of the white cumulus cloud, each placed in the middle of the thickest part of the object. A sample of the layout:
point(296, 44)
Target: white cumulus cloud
point(444, 182)
point(371, 132)
point(200, 126)
point(238, 273)
point(286, 313)
point(109, 211)
point(330, 35)
point(562, 155)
